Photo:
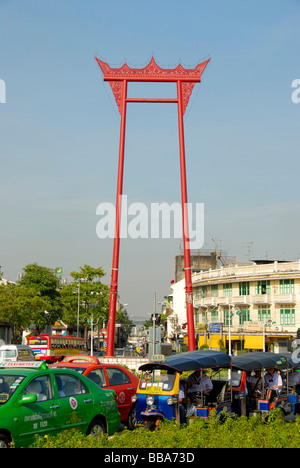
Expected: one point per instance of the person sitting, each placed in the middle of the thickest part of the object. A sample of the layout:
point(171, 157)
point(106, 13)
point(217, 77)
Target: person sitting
point(196, 384)
point(255, 384)
point(273, 383)
point(181, 399)
point(35, 387)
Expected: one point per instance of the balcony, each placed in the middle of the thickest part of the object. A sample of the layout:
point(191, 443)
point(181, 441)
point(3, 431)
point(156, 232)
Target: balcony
point(248, 300)
point(259, 299)
point(284, 298)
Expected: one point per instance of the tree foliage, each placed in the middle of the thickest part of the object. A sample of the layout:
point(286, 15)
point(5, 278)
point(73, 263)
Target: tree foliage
point(91, 295)
point(21, 306)
point(45, 283)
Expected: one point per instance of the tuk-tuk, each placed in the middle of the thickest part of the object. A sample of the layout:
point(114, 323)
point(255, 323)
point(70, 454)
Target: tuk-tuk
point(251, 395)
point(161, 388)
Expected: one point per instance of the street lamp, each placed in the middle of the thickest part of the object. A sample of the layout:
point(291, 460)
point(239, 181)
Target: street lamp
point(267, 322)
point(231, 314)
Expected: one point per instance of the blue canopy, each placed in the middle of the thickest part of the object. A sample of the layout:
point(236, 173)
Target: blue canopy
point(193, 360)
point(260, 360)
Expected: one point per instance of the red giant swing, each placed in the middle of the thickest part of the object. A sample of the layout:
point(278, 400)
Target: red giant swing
point(185, 80)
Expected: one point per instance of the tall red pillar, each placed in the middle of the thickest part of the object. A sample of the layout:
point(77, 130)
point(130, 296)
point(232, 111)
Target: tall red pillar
point(185, 80)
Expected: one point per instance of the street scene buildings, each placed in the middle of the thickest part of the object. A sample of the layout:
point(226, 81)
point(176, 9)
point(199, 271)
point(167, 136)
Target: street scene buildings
point(242, 307)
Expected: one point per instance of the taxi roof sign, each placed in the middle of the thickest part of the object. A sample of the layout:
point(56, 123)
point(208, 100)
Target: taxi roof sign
point(24, 364)
point(158, 357)
point(81, 358)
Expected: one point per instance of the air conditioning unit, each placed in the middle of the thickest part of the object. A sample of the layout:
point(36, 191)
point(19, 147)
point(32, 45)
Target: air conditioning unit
point(278, 329)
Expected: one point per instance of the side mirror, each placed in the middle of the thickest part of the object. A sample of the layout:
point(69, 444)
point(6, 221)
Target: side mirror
point(29, 398)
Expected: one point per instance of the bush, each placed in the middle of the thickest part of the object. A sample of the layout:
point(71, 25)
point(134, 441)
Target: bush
point(232, 433)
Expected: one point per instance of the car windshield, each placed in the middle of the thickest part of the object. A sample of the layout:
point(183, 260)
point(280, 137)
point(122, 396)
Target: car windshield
point(157, 380)
point(8, 385)
point(8, 353)
point(78, 369)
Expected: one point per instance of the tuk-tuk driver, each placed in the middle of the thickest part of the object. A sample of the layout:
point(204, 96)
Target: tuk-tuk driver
point(194, 383)
point(273, 382)
point(181, 398)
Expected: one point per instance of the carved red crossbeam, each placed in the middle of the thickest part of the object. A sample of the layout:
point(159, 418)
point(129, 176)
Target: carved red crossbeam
point(153, 73)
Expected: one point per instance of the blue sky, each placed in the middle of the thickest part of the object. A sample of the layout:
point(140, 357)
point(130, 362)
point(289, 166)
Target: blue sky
point(60, 131)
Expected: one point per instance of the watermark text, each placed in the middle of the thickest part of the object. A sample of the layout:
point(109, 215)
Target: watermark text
point(157, 221)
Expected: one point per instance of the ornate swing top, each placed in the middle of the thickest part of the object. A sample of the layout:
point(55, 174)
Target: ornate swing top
point(151, 73)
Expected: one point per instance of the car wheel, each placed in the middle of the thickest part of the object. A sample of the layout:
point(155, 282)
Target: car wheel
point(132, 421)
point(96, 428)
point(150, 425)
point(4, 442)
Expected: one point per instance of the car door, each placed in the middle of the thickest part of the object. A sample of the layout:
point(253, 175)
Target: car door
point(75, 401)
point(39, 417)
point(120, 382)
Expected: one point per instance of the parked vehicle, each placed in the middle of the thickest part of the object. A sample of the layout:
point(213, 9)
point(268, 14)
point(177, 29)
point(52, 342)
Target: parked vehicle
point(111, 376)
point(35, 399)
point(161, 387)
point(53, 348)
point(249, 384)
point(14, 353)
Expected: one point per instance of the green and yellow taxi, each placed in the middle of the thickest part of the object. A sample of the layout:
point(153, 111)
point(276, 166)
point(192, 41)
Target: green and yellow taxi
point(38, 400)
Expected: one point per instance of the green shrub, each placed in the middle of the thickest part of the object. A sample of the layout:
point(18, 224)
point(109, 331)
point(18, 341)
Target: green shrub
point(232, 433)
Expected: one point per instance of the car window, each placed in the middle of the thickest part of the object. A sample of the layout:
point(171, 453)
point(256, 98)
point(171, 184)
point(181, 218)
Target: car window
point(117, 376)
point(41, 387)
point(25, 354)
point(9, 353)
point(69, 385)
point(97, 376)
point(8, 385)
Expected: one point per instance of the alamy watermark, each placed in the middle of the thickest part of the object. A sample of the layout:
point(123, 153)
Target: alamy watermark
point(296, 353)
point(2, 92)
point(159, 220)
point(296, 93)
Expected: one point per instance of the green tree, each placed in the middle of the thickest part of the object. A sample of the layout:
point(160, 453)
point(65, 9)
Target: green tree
point(92, 294)
point(45, 283)
point(20, 307)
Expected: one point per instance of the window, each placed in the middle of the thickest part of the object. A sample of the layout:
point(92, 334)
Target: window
point(227, 290)
point(244, 316)
point(263, 287)
point(226, 317)
point(8, 385)
point(287, 286)
point(41, 387)
point(287, 316)
point(197, 294)
point(214, 315)
point(69, 385)
point(244, 288)
point(198, 319)
point(97, 376)
point(214, 290)
point(117, 376)
point(264, 315)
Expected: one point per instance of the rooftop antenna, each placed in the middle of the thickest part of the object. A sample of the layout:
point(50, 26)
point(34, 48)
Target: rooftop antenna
point(250, 251)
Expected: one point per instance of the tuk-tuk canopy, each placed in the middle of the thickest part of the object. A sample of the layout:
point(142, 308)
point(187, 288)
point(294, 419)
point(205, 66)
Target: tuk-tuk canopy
point(260, 360)
point(193, 360)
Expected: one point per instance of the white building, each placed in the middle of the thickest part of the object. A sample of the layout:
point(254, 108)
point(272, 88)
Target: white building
point(247, 307)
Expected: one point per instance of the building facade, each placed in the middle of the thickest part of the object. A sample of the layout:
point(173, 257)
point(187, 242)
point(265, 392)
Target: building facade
point(248, 307)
